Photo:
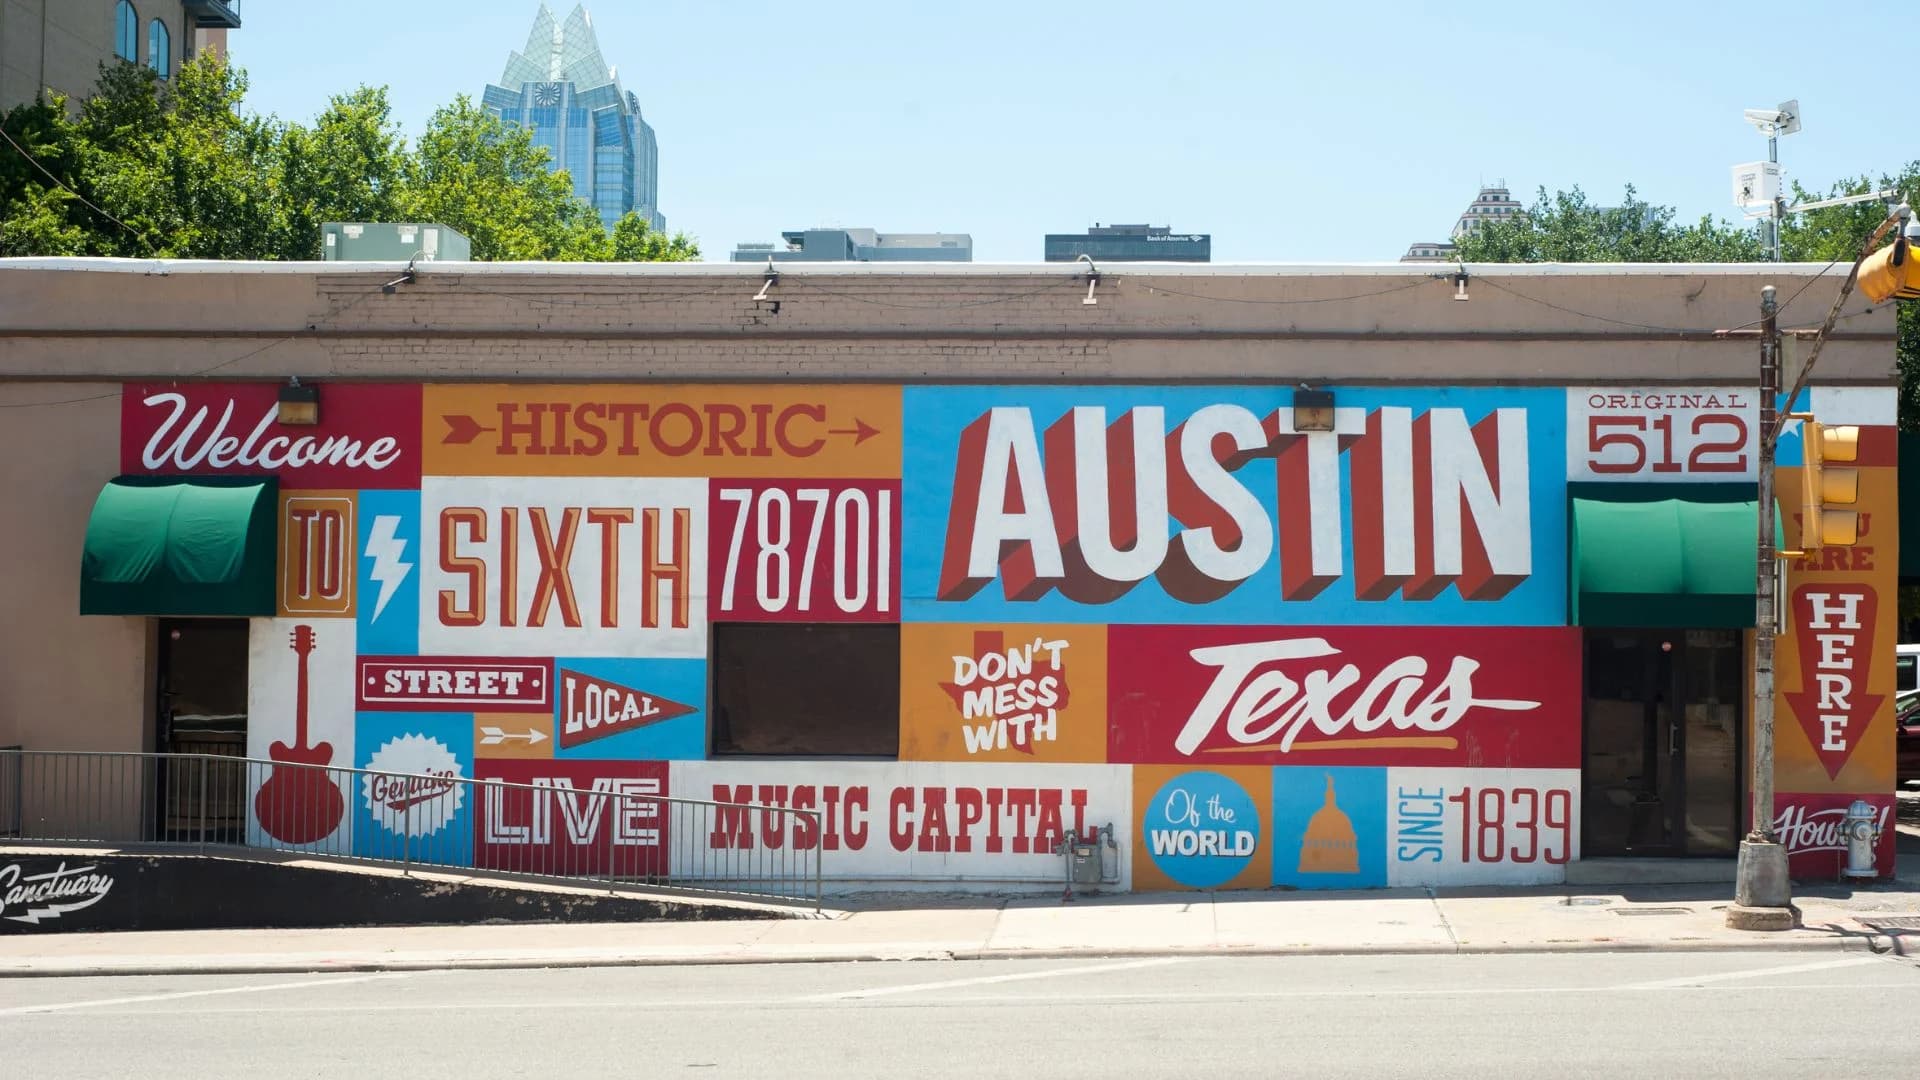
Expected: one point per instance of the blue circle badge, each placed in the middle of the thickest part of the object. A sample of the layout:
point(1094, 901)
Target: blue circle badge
point(1201, 829)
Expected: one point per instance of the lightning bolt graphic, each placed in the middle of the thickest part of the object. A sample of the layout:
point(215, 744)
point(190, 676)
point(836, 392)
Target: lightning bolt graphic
point(386, 550)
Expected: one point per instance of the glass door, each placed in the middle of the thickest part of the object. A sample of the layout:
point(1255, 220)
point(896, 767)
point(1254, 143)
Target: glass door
point(1662, 742)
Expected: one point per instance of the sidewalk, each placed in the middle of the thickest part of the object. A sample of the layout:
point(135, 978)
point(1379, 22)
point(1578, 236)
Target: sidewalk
point(946, 927)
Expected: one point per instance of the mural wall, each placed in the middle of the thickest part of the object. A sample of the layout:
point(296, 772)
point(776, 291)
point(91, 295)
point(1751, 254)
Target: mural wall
point(1265, 656)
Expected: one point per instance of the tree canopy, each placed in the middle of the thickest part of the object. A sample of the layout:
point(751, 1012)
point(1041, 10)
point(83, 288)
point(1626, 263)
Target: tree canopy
point(180, 169)
point(1566, 227)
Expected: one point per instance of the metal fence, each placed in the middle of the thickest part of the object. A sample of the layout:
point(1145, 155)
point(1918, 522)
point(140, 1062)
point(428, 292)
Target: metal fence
point(608, 831)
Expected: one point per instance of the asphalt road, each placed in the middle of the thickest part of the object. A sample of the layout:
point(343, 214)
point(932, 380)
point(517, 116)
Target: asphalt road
point(1746, 1015)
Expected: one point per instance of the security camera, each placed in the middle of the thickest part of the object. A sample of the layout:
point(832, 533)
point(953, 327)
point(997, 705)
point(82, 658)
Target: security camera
point(1764, 117)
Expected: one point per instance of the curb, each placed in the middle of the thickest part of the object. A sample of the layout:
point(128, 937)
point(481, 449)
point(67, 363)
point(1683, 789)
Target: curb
point(1862, 943)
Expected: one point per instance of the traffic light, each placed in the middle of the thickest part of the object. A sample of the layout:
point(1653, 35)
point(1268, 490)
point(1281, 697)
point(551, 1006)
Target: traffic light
point(1827, 493)
point(1892, 273)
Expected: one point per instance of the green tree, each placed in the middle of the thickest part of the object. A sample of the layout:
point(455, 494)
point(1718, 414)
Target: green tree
point(635, 241)
point(179, 169)
point(1565, 227)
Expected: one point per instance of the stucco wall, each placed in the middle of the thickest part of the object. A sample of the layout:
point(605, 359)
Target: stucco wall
point(503, 321)
point(65, 681)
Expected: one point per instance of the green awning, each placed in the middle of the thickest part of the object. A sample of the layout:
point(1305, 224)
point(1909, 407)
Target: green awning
point(171, 545)
point(1663, 555)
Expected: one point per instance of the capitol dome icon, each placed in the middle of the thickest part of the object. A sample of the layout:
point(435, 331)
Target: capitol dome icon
point(1330, 846)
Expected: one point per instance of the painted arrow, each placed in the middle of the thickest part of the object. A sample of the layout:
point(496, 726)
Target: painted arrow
point(461, 429)
point(861, 431)
point(493, 736)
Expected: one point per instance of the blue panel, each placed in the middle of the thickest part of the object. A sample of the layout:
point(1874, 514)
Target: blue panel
point(625, 709)
point(388, 611)
point(941, 416)
point(420, 820)
point(1329, 827)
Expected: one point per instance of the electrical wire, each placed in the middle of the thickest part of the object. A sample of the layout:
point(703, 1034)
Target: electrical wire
point(199, 374)
point(611, 302)
point(1309, 300)
point(84, 201)
point(1009, 298)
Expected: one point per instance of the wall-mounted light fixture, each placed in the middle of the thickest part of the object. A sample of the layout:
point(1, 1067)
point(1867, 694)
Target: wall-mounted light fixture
point(1460, 284)
point(1312, 410)
point(772, 279)
point(1093, 279)
point(299, 404)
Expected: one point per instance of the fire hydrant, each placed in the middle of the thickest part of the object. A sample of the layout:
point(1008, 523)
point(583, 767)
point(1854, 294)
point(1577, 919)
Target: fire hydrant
point(1861, 831)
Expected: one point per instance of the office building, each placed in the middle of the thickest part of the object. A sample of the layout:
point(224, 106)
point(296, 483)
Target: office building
point(1130, 243)
point(60, 44)
point(1494, 203)
point(860, 245)
point(562, 89)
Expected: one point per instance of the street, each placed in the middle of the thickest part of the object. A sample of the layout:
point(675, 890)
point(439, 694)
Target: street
point(1696, 1015)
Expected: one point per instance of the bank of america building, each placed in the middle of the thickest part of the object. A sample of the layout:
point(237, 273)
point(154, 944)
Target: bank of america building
point(561, 88)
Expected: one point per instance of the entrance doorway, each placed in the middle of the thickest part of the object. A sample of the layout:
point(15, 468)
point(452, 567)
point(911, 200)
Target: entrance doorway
point(200, 700)
point(1663, 734)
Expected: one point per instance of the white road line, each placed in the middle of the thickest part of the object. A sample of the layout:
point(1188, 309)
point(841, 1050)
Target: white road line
point(1010, 1000)
point(1753, 973)
point(1019, 976)
point(97, 1003)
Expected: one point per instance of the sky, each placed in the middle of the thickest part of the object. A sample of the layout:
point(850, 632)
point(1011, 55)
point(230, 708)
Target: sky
point(1291, 131)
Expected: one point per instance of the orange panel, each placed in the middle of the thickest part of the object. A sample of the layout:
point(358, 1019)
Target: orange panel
point(766, 430)
point(319, 535)
point(1003, 692)
point(512, 735)
point(1834, 667)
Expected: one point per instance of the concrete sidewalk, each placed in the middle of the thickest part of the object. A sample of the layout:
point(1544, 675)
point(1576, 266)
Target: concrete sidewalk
point(915, 927)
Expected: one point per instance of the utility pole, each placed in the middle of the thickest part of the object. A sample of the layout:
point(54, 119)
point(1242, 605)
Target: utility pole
point(1779, 209)
point(1762, 893)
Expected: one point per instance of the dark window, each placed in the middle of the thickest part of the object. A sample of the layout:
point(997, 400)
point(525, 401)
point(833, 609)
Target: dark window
point(126, 32)
point(806, 689)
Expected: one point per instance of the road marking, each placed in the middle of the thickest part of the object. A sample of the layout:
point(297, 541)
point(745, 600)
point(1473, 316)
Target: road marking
point(983, 980)
point(305, 984)
point(1752, 973)
point(653, 1004)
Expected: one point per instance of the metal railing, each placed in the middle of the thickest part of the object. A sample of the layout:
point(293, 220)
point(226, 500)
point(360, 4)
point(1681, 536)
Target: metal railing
point(9, 791)
point(609, 829)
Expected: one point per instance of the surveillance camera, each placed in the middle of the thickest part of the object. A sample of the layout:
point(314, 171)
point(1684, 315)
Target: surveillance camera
point(1763, 116)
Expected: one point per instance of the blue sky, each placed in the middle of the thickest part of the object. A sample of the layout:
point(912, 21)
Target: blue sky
point(1293, 132)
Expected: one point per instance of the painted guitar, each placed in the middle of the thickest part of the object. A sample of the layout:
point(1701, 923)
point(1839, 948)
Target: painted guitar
point(300, 803)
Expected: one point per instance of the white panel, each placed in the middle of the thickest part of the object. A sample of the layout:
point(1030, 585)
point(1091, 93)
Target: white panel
point(969, 823)
point(619, 629)
point(1685, 434)
point(1855, 404)
point(294, 812)
point(1482, 826)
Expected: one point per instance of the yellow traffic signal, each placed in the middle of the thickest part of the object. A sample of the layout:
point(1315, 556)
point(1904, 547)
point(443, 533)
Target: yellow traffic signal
point(1892, 273)
point(1826, 492)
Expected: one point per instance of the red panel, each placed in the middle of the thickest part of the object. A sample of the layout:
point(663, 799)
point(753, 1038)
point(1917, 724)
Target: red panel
point(368, 435)
point(804, 551)
point(1809, 827)
point(453, 684)
point(1295, 695)
point(577, 822)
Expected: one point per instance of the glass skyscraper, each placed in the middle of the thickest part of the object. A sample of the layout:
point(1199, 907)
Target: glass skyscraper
point(561, 89)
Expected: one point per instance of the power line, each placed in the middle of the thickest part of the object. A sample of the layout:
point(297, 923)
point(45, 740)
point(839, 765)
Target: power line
point(1306, 300)
point(200, 374)
point(84, 201)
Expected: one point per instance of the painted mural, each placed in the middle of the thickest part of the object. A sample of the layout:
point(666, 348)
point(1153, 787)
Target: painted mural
point(1264, 656)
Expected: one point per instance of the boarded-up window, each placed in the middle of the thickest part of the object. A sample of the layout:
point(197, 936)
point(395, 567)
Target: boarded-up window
point(804, 688)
